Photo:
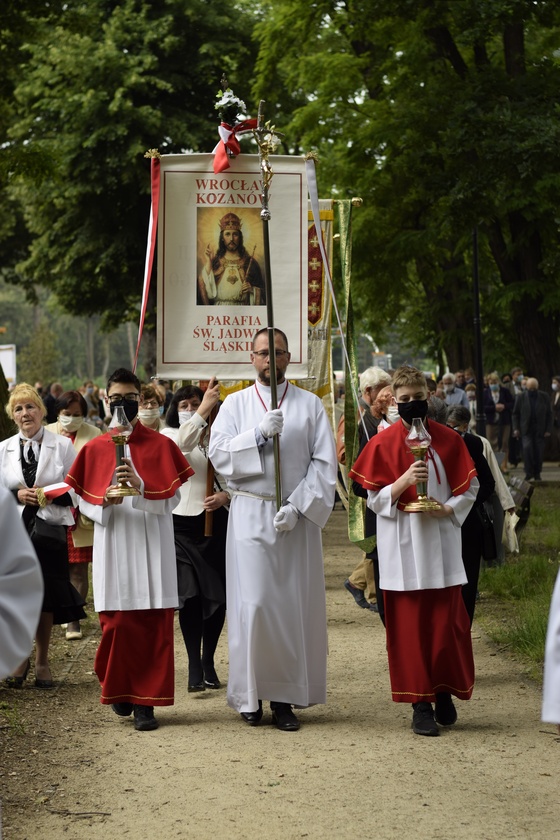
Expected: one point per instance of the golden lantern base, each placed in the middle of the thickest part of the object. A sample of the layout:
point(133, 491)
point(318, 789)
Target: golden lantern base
point(121, 491)
point(421, 504)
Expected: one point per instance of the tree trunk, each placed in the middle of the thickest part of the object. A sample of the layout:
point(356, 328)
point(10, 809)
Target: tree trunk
point(90, 348)
point(538, 336)
point(537, 332)
point(7, 426)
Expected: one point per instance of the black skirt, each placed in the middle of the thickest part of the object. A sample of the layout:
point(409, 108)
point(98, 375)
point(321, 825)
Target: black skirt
point(61, 598)
point(201, 561)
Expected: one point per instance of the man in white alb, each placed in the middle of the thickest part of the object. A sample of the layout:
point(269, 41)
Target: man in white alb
point(277, 629)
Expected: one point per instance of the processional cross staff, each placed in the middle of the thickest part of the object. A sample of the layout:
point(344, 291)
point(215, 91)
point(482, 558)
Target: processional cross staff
point(267, 139)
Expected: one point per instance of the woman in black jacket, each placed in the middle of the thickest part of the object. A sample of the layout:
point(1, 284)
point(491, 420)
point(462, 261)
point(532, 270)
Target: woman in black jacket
point(472, 530)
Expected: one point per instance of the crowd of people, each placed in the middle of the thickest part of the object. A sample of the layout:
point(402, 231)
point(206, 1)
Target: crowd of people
point(193, 514)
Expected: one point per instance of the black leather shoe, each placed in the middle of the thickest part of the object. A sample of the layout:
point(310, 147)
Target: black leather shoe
point(446, 713)
point(283, 717)
point(211, 679)
point(144, 719)
point(122, 709)
point(423, 721)
point(253, 718)
point(196, 687)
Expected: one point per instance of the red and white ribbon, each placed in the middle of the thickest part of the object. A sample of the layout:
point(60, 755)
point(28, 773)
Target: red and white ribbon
point(52, 491)
point(229, 143)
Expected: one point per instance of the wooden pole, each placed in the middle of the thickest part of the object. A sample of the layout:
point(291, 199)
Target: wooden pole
point(210, 474)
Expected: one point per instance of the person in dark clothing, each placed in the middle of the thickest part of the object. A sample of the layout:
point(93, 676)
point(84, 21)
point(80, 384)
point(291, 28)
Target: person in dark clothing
point(497, 404)
point(54, 393)
point(472, 530)
point(532, 422)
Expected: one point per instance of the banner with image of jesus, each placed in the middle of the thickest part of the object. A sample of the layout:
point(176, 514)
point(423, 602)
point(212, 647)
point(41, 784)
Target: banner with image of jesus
point(211, 266)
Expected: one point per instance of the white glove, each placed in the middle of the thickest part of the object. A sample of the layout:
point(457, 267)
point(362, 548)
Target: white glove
point(286, 517)
point(272, 423)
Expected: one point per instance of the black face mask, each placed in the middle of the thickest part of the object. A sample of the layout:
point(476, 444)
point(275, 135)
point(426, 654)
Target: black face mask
point(130, 408)
point(415, 408)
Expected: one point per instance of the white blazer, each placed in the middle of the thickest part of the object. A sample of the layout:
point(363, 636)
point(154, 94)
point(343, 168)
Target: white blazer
point(55, 459)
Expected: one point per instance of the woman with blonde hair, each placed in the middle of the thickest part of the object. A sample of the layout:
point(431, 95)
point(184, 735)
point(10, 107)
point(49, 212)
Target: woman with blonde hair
point(32, 459)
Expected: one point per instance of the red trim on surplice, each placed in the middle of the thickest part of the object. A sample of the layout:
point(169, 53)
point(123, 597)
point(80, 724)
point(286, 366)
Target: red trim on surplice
point(157, 459)
point(386, 457)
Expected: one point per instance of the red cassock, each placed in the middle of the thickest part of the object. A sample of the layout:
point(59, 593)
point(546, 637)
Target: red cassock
point(134, 661)
point(429, 643)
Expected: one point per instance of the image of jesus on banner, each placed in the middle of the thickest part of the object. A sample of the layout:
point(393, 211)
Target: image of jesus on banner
point(230, 275)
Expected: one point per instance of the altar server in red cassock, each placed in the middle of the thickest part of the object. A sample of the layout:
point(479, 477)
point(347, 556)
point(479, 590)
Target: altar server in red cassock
point(134, 569)
point(421, 570)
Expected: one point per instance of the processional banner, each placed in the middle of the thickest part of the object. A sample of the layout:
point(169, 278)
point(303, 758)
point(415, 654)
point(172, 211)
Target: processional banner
point(211, 290)
point(319, 308)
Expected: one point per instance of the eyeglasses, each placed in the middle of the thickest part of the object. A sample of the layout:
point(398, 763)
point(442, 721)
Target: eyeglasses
point(264, 354)
point(151, 404)
point(116, 399)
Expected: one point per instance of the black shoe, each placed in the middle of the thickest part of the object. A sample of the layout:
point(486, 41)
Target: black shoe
point(211, 678)
point(423, 722)
point(253, 718)
point(122, 709)
point(39, 683)
point(144, 719)
point(283, 717)
point(446, 713)
point(196, 687)
point(373, 607)
point(17, 682)
point(357, 595)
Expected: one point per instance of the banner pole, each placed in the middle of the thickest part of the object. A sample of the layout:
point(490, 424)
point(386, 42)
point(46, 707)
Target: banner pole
point(266, 173)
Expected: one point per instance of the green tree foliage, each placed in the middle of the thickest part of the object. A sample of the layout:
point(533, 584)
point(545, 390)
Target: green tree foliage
point(40, 359)
point(443, 116)
point(100, 82)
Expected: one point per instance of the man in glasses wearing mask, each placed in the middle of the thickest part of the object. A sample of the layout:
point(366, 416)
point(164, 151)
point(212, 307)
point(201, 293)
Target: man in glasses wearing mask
point(134, 571)
point(420, 565)
point(277, 628)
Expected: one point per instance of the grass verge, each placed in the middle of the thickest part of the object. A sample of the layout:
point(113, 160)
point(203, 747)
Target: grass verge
point(515, 597)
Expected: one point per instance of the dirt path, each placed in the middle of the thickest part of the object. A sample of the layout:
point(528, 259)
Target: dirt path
point(355, 768)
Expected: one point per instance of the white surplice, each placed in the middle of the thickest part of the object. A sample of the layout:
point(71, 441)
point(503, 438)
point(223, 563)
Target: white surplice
point(134, 564)
point(277, 630)
point(417, 551)
point(551, 685)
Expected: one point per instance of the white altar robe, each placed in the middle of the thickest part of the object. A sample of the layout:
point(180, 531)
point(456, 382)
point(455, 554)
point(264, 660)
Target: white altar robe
point(417, 551)
point(551, 686)
point(134, 564)
point(277, 630)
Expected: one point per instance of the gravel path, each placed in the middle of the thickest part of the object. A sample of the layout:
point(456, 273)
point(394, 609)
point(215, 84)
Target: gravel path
point(355, 768)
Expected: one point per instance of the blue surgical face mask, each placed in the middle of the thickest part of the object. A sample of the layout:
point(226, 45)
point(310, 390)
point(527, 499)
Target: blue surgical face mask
point(161, 411)
point(494, 387)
